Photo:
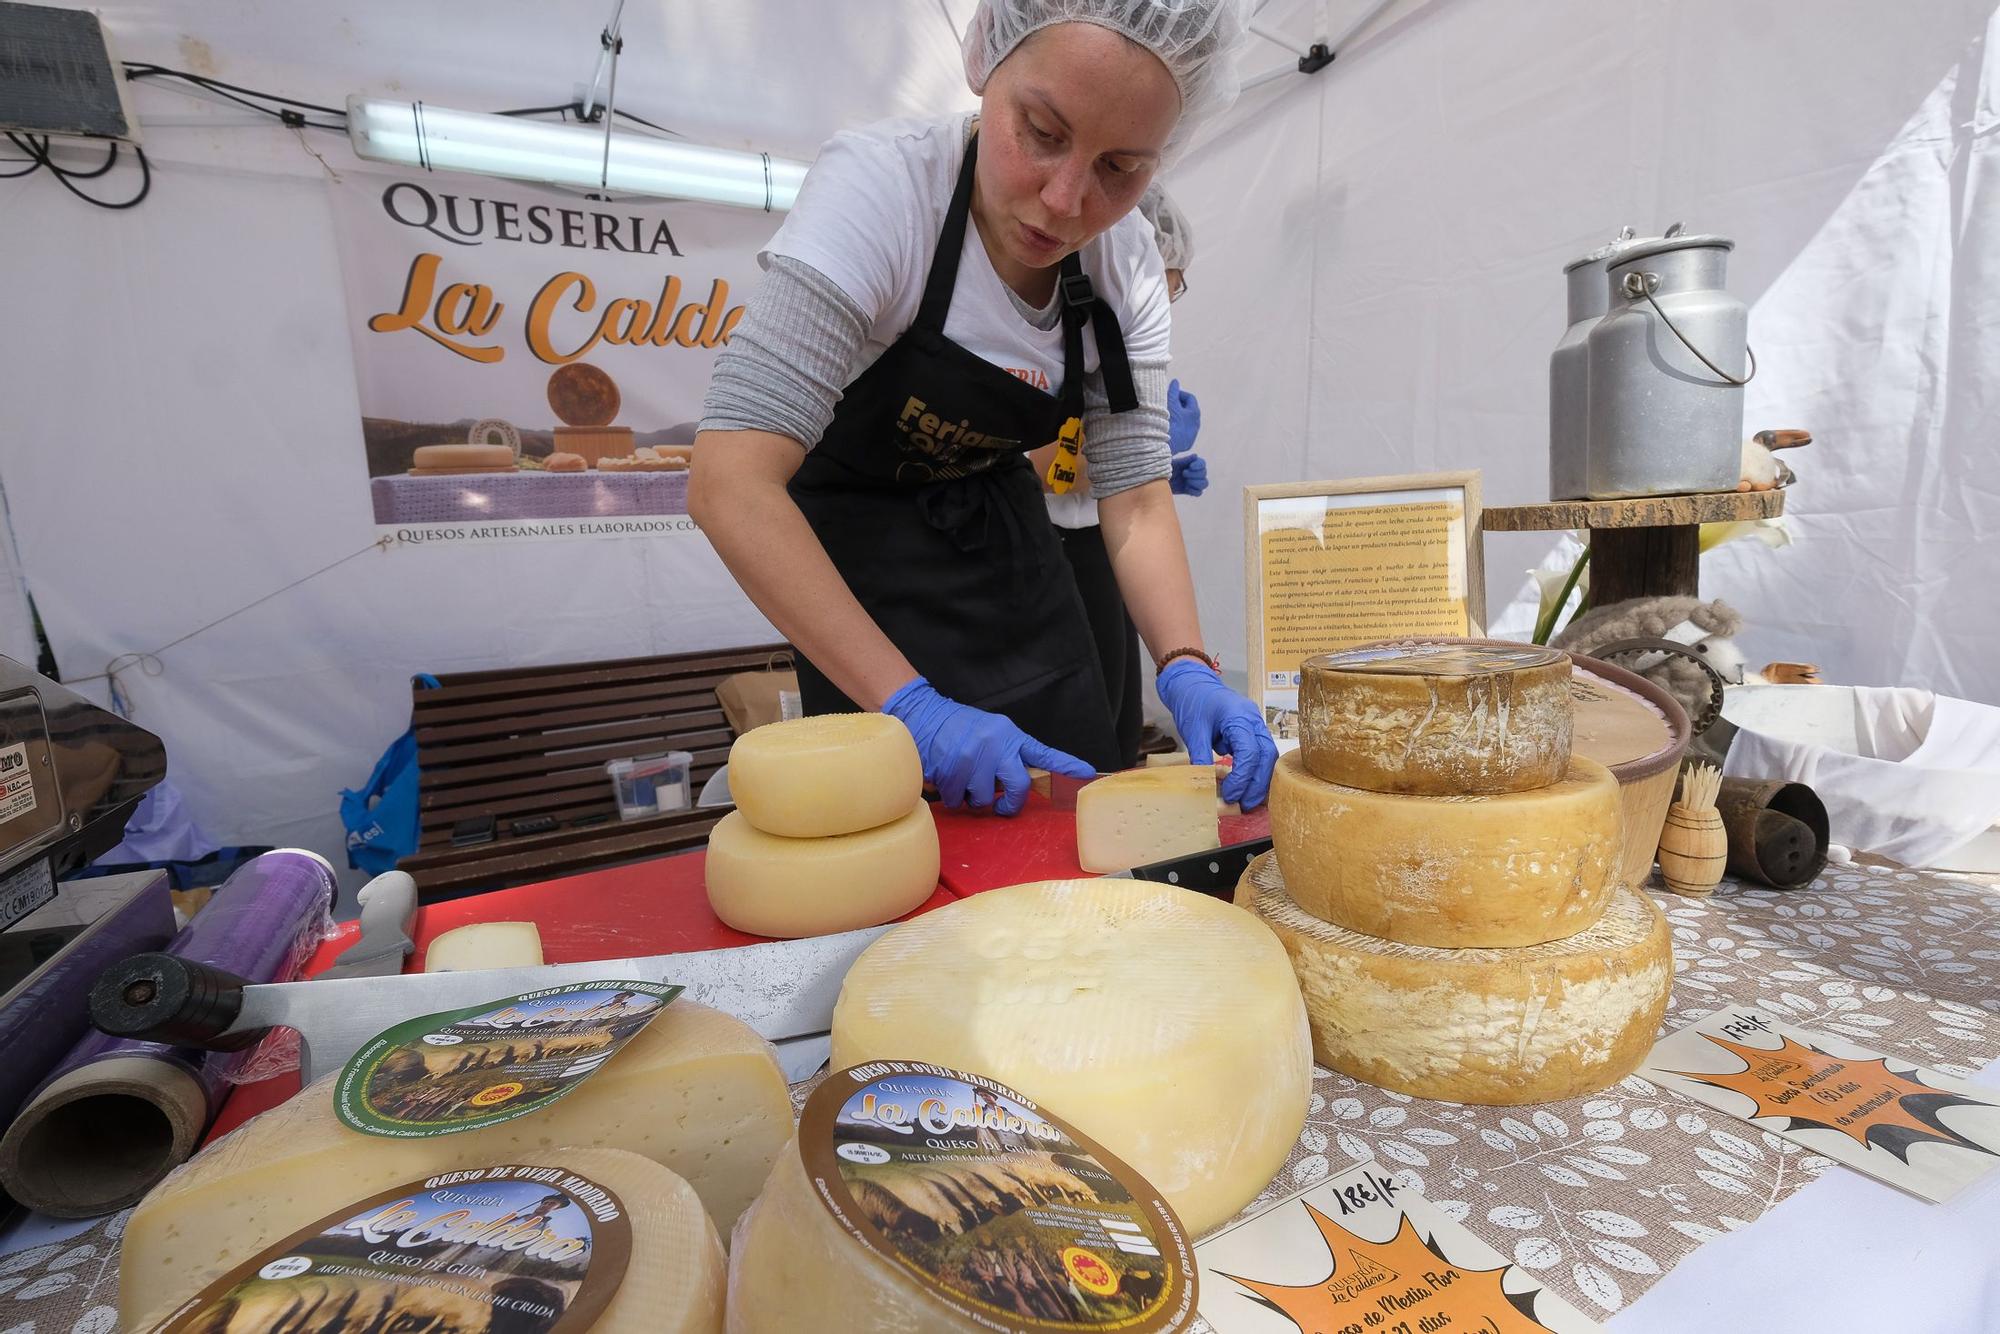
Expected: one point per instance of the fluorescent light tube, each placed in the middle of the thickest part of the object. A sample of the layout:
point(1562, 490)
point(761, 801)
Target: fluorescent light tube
point(438, 138)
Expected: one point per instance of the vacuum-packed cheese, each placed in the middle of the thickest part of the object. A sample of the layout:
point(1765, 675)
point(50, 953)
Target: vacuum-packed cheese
point(837, 773)
point(1495, 1026)
point(671, 1278)
point(919, 1198)
point(1143, 816)
point(696, 1090)
point(1515, 868)
point(1444, 718)
point(1164, 1024)
point(771, 886)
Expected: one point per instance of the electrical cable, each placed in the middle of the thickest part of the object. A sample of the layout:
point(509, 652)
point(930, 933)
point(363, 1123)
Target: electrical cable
point(43, 160)
point(145, 70)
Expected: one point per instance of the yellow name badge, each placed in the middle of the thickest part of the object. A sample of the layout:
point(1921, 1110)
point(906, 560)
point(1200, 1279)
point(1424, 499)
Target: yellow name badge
point(1069, 447)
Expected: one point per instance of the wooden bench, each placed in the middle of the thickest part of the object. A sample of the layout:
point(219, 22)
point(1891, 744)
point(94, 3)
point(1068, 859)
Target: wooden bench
point(519, 743)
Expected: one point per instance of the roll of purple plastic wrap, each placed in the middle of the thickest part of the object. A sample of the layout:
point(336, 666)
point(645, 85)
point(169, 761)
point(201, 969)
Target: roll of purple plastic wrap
point(42, 1018)
point(117, 1115)
point(262, 925)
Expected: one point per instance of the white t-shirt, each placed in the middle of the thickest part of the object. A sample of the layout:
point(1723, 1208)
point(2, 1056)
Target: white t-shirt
point(868, 218)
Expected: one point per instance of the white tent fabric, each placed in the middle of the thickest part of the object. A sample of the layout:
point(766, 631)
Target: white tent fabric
point(1376, 291)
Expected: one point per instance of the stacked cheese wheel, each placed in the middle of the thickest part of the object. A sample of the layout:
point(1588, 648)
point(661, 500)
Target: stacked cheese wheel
point(830, 831)
point(1445, 879)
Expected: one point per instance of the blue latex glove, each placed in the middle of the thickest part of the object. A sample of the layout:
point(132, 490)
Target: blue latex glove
point(1183, 419)
point(1190, 475)
point(967, 750)
point(1208, 714)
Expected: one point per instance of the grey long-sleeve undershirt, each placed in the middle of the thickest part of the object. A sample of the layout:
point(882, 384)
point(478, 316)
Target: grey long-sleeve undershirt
point(799, 344)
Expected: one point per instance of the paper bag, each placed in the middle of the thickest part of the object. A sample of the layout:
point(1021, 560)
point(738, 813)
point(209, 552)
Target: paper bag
point(751, 699)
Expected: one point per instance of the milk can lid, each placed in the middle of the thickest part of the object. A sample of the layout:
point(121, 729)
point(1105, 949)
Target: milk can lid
point(1664, 244)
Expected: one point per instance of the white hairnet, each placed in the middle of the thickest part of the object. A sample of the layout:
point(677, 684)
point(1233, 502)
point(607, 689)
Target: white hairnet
point(1170, 227)
point(1195, 39)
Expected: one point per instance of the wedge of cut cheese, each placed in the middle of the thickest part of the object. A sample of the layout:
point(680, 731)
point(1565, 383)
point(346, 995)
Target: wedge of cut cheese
point(674, 1281)
point(485, 945)
point(696, 1091)
point(1516, 868)
point(1499, 1027)
point(771, 886)
point(1164, 1024)
point(1437, 718)
point(838, 773)
point(1142, 816)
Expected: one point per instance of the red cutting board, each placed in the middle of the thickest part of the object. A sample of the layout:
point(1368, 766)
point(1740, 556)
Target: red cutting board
point(651, 907)
point(982, 851)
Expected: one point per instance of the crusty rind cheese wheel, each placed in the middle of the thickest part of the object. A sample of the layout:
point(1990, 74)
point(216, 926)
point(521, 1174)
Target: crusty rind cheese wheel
point(462, 456)
point(837, 773)
point(1497, 1027)
point(1162, 1023)
point(1441, 719)
point(789, 887)
point(1515, 868)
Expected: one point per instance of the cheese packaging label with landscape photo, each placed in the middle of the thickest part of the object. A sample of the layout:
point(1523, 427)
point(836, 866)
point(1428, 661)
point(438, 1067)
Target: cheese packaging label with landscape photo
point(537, 1250)
point(1358, 1254)
point(1073, 1239)
point(464, 1069)
point(1902, 1123)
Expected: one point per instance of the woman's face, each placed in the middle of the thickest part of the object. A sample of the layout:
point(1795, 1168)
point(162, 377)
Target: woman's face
point(1070, 132)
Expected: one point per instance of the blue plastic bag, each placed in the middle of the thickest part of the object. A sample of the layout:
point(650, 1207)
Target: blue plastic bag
point(381, 817)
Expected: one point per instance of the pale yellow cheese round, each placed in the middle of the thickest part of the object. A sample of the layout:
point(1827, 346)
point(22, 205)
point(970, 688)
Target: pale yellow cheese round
point(1437, 718)
point(696, 1090)
point(770, 886)
point(837, 773)
point(462, 456)
point(1515, 868)
point(675, 1279)
point(1165, 1025)
point(1500, 1027)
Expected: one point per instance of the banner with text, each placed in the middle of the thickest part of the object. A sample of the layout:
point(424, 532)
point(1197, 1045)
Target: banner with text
point(532, 363)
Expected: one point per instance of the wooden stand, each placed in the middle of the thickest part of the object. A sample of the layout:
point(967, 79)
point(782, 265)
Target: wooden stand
point(1648, 546)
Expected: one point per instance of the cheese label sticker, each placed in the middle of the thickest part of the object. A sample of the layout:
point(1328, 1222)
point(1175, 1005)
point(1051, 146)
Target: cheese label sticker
point(1447, 659)
point(533, 1250)
point(17, 782)
point(1360, 1254)
point(1002, 1212)
point(1913, 1127)
point(472, 1068)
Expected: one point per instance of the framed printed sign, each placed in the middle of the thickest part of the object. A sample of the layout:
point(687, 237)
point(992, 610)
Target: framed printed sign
point(1328, 565)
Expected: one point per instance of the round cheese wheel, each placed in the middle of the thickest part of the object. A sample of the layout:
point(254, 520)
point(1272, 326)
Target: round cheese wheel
point(1517, 868)
point(462, 456)
point(1498, 1027)
point(674, 1281)
point(772, 886)
point(862, 1229)
point(583, 395)
point(838, 773)
point(1437, 718)
point(1164, 1024)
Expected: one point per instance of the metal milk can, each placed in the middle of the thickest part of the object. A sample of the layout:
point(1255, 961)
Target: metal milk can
point(1666, 366)
point(1569, 374)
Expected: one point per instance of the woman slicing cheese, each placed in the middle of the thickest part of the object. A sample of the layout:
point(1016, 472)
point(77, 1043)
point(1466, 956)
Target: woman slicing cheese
point(922, 325)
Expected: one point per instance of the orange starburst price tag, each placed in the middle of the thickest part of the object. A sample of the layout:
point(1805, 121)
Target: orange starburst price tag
point(1910, 1126)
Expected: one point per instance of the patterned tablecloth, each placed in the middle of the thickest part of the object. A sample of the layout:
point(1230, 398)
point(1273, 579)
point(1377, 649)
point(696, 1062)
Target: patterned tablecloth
point(1599, 1196)
point(543, 496)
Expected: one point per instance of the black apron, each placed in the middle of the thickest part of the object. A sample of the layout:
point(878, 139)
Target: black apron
point(922, 495)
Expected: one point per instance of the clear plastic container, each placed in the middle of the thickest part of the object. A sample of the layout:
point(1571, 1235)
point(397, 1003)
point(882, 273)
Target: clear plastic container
point(651, 784)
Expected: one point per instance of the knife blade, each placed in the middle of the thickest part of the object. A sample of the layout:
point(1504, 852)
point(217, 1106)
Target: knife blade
point(784, 989)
